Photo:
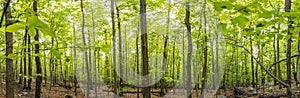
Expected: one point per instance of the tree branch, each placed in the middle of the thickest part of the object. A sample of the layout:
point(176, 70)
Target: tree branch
point(3, 13)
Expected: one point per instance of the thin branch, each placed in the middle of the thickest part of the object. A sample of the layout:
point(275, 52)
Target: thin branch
point(3, 13)
point(261, 65)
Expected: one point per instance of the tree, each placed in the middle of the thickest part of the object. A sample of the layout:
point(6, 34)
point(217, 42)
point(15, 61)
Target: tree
point(9, 51)
point(190, 49)
point(85, 51)
point(289, 44)
point(205, 50)
point(114, 46)
point(37, 59)
point(144, 38)
point(120, 48)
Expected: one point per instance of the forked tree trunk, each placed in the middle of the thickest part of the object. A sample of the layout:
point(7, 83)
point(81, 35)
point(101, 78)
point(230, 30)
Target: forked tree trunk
point(190, 50)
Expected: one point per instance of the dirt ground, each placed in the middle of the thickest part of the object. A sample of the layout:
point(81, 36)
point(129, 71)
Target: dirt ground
point(61, 92)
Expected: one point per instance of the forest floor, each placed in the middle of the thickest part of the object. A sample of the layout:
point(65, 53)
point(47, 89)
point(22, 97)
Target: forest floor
point(61, 92)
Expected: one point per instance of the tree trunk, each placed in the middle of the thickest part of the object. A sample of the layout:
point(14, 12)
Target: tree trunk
point(85, 51)
point(165, 53)
point(9, 50)
point(75, 58)
point(144, 37)
point(275, 58)
point(37, 60)
point(289, 44)
point(25, 59)
point(29, 62)
point(120, 49)
point(205, 51)
point(114, 46)
point(137, 57)
point(252, 64)
point(237, 82)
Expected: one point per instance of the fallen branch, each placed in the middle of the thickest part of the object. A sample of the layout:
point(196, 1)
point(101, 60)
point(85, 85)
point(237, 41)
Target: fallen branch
point(262, 66)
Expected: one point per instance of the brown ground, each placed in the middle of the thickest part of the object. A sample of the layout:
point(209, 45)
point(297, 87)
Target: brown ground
point(61, 92)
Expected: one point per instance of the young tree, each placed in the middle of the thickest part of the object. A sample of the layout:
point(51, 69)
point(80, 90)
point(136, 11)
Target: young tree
point(85, 51)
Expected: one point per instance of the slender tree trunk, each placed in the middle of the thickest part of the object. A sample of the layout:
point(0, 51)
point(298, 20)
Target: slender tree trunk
point(45, 69)
point(137, 57)
point(289, 44)
point(9, 50)
point(297, 62)
point(114, 47)
point(144, 37)
point(252, 64)
point(120, 50)
point(165, 53)
point(29, 63)
point(278, 57)
point(95, 55)
point(21, 68)
point(190, 50)
point(37, 60)
point(75, 58)
point(85, 51)
point(237, 82)
point(275, 59)
point(25, 58)
point(205, 51)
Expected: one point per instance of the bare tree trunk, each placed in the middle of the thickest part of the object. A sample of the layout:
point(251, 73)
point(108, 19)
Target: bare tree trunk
point(275, 59)
point(29, 63)
point(120, 49)
point(278, 58)
point(95, 56)
point(252, 64)
point(165, 53)
point(144, 37)
point(37, 60)
point(289, 44)
point(237, 82)
point(137, 57)
point(9, 50)
point(114, 46)
point(75, 56)
point(205, 51)
point(85, 51)
point(190, 49)
point(25, 58)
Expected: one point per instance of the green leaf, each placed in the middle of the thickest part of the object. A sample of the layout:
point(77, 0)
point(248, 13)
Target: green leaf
point(33, 21)
point(56, 53)
point(15, 27)
point(241, 21)
point(11, 56)
point(126, 88)
point(32, 32)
